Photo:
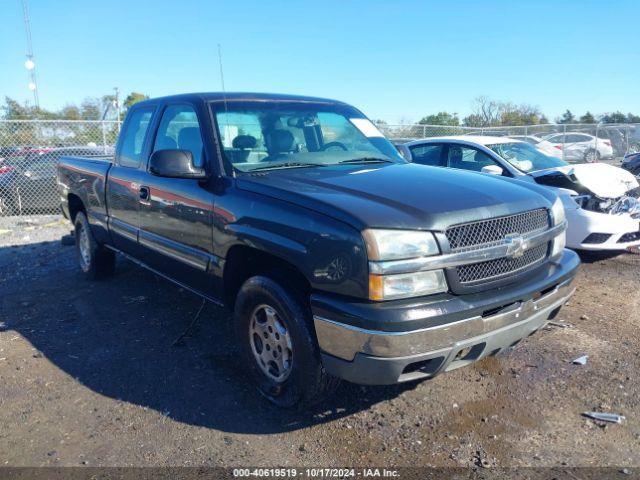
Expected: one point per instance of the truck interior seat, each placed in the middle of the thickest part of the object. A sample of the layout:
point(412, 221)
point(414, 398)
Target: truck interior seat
point(242, 146)
point(279, 142)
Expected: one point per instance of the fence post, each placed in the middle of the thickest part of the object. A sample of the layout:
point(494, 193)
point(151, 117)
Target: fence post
point(597, 136)
point(424, 131)
point(526, 130)
point(564, 140)
point(628, 133)
point(104, 139)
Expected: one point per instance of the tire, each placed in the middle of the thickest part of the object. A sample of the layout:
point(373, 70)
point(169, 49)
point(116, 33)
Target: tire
point(96, 261)
point(591, 156)
point(298, 377)
point(7, 206)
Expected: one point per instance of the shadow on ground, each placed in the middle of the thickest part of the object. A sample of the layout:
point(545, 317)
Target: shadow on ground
point(116, 338)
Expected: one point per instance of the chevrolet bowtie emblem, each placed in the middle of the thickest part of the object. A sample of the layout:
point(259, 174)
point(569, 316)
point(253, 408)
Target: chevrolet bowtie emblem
point(516, 245)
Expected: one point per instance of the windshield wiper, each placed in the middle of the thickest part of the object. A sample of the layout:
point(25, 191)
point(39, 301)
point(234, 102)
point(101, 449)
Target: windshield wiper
point(367, 160)
point(288, 165)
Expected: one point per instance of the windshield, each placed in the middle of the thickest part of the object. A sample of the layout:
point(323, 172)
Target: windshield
point(276, 134)
point(525, 157)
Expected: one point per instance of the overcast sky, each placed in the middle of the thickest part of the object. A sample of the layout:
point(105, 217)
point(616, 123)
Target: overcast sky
point(392, 59)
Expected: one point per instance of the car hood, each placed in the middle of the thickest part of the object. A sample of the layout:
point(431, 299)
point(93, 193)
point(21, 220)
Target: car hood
point(603, 180)
point(398, 196)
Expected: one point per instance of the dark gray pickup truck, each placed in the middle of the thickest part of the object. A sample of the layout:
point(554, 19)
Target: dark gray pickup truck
point(338, 258)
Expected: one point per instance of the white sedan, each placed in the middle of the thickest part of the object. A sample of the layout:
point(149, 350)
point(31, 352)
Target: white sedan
point(575, 146)
point(601, 201)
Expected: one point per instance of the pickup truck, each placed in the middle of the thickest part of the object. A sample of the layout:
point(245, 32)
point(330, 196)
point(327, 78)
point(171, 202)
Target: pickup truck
point(339, 259)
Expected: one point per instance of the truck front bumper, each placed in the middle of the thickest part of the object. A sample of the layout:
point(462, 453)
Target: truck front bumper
point(377, 357)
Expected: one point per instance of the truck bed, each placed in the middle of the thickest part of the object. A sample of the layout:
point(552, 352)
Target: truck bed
point(85, 178)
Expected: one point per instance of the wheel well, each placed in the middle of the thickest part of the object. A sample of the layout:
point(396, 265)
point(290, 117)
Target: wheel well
point(244, 262)
point(75, 206)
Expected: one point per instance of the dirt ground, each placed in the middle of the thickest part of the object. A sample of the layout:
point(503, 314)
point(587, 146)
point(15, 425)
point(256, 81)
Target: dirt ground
point(89, 375)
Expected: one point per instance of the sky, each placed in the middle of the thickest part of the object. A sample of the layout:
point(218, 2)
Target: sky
point(395, 60)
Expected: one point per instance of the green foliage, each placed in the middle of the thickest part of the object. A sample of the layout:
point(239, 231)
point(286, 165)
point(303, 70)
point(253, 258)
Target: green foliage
point(615, 117)
point(587, 118)
point(133, 98)
point(441, 118)
point(567, 117)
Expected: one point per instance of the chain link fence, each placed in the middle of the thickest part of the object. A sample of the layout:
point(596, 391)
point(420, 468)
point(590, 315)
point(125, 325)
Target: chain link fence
point(29, 152)
point(574, 143)
point(30, 149)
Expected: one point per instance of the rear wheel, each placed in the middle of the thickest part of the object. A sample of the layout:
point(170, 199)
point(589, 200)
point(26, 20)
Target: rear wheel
point(95, 260)
point(275, 333)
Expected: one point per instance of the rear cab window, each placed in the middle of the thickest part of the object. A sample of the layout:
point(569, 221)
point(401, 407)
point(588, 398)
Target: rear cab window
point(133, 136)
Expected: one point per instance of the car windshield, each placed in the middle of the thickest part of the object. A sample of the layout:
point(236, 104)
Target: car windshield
point(289, 134)
point(525, 157)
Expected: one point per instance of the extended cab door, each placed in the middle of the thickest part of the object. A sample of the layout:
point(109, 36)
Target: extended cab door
point(125, 179)
point(176, 216)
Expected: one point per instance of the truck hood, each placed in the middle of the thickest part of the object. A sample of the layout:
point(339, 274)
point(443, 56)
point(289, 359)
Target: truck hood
point(601, 179)
point(397, 195)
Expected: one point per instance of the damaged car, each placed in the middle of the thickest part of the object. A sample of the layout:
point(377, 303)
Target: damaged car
point(602, 202)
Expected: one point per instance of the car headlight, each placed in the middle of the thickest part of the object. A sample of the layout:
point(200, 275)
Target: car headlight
point(399, 244)
point(559, 217)
point(395, 245)
point(557, 212)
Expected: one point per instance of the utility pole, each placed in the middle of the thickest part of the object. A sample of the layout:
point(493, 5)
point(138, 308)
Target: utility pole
point(117, 105)
point(30, 64)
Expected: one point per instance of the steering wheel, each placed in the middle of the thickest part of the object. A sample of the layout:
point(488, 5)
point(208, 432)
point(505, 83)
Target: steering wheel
point(334, 144)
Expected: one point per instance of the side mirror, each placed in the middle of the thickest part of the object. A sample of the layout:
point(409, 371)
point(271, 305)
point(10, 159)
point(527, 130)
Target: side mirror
point(175, 164)
point(492, 170)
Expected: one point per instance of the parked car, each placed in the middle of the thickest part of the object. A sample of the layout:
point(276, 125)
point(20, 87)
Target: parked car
point(339, 258)
point(600, 200)
point(631, 162)
point(28, 181)
point(539, 143)
point(574, 146)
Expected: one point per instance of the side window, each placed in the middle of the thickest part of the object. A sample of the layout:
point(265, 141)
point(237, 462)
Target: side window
point(133, 137)
point(179, 129)
point(428, 155)
point(468, 158)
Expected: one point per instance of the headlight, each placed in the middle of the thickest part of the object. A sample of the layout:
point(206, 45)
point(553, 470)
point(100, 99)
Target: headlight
point(557, 212)
point(404, 285)
point(560, 241)
point(399, 244)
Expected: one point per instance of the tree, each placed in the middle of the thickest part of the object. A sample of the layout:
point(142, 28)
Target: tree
point(567, 117)
point(615, 117)
point(70, 112)
point(441, 118)
point(133, 98)
point(587, 118)
point(485, 110)
point(473, 120)
point(631, 118)
point(90, 109)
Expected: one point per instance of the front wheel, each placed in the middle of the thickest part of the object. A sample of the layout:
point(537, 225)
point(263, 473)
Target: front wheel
point(95, 260)
point(275, 333)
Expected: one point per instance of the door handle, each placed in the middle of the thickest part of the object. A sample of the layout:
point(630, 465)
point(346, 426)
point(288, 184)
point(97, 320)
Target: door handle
point(144, 193)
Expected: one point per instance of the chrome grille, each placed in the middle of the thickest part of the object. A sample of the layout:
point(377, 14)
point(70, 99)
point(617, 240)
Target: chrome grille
point(486, 232)
point(494, 269)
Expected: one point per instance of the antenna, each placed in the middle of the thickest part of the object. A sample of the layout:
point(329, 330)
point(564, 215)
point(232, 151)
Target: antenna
point(224, 91)
point(224, 98)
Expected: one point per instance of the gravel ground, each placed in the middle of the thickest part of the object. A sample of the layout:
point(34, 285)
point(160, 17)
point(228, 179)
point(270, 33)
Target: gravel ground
point(89, 375)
